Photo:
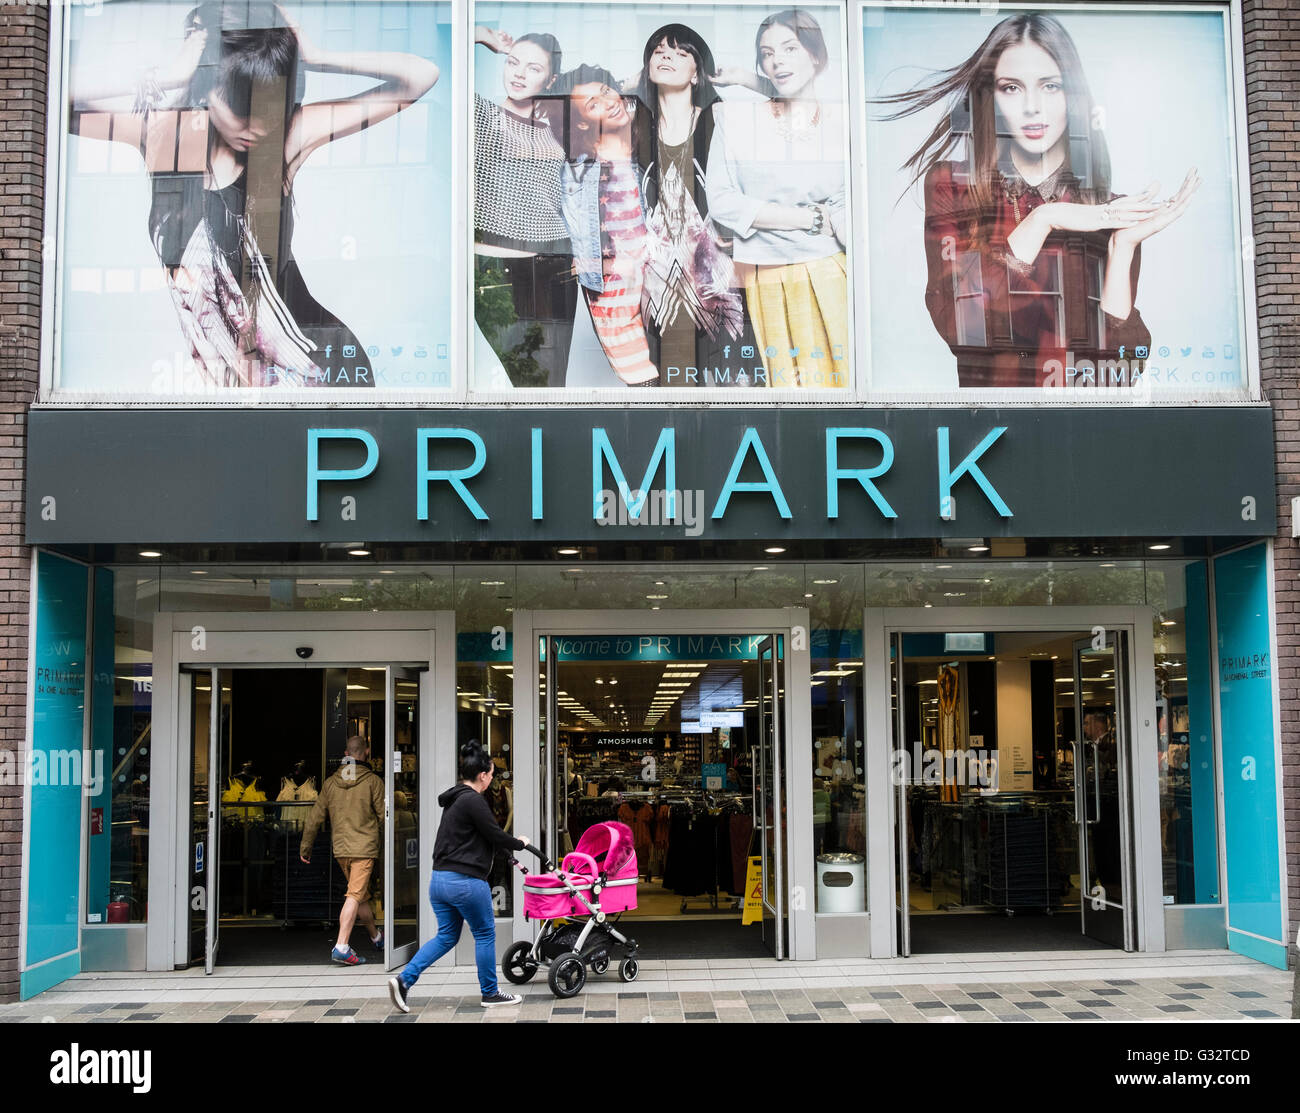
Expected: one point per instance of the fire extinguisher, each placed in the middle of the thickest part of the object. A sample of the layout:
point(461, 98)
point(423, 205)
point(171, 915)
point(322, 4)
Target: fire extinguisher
point(119, 912)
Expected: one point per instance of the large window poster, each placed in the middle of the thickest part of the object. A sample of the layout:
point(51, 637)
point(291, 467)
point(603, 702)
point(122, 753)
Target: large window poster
point(660, 197)
point(257, 197)
point(1052, 201)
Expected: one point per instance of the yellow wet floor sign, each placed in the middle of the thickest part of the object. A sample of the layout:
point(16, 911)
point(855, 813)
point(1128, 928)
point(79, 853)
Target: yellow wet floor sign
point(753, 913)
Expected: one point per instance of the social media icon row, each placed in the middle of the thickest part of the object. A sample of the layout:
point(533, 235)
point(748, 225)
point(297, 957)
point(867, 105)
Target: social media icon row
point(1207, 352)
point(349, 351)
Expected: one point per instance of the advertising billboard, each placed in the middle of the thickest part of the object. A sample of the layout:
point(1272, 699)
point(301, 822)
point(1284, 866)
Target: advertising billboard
point(1052, 201)
point(661, 197)
point(256, 197)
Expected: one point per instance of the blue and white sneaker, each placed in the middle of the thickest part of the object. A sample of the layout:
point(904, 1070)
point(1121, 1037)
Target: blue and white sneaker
point(346, 958)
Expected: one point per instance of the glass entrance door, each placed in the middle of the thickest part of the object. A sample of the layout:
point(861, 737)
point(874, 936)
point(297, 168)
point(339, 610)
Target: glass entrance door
point(769, 797)
point(1101, 802)
point(402, 810)
point(901, 772)
point(208, 689)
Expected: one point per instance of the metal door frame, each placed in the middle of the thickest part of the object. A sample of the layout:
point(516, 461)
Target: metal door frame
point(395, 956)
point(1116, 641)
point(423, 639)
point(770, 647)
point(790, 622)
point(1144, 859)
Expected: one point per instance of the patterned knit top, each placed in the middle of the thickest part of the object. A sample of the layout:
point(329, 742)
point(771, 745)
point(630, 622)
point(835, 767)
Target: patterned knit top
point(516, 182)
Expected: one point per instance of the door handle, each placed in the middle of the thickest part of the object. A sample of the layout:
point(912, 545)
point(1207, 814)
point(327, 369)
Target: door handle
point(1080, 809)
point(1096, 780)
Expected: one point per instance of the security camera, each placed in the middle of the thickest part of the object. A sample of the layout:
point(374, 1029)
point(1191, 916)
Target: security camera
point(304, 651)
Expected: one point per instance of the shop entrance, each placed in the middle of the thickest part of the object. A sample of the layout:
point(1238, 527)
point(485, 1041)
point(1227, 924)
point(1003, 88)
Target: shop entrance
point(685, 737)
point(262, 743)
point(1011, 771)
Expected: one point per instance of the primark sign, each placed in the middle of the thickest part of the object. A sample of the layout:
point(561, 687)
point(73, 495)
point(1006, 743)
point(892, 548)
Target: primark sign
point(532, 474)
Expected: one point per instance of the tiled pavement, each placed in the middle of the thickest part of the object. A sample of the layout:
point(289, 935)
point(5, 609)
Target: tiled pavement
point(1061, 986)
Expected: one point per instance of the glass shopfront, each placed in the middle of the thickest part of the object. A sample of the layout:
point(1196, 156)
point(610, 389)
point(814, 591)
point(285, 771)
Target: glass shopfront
point(640, 714)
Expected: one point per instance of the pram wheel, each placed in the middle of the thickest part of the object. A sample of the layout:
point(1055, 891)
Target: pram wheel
point(567, 975)
point(628, 970)
point(600, 963)
point(517, 964)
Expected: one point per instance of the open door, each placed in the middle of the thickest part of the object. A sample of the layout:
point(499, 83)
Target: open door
point(401, 815)
point(207, 696)
point(903, 774)
point(769, 794)
point(1102, 806)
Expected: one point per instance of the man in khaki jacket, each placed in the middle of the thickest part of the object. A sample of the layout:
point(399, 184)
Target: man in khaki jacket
point(353, 798)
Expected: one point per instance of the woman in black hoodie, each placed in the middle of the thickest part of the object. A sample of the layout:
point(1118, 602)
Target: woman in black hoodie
point(468, 840)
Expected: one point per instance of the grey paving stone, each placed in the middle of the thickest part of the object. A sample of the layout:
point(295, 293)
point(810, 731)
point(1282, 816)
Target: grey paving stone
point(1083, 1015)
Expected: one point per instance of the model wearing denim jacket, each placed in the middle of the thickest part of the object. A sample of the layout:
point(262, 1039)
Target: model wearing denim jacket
point(580, 207)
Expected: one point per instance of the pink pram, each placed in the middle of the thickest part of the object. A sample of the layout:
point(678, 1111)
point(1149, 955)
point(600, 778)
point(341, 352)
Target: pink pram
point(595, 880)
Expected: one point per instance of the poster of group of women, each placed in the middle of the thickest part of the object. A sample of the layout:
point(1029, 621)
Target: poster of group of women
point(887, 200)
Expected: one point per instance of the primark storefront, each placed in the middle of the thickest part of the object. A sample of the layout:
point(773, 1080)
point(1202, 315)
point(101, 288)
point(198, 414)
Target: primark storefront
point(847, 531)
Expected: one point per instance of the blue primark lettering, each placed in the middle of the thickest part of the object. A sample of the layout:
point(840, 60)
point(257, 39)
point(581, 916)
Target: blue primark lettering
point(834, 473)
point(665, 450)
point(948, 475)
point(771, 486)
point(456, 477)
point(316, 476)
point(537, 474)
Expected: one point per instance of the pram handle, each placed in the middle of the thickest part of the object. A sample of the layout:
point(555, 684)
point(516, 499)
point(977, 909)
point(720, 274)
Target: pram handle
point(577, 857)
point(547, 865)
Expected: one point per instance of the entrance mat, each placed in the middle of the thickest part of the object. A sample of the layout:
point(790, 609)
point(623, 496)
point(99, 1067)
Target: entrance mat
point(290, 946)
point(969, 933)
point(687, 938)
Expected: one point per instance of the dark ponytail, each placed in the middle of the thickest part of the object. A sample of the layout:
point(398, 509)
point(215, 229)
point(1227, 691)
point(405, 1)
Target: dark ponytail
point(474, 760)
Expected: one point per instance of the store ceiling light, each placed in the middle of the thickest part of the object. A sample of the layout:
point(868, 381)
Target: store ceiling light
point(760, 568)
point(774, 550)
point(491, 583)
point(567, 552)
point(656, 597)
point(1160, 548)
point(1169, 622)
point(826, 581)
point(977, 548)
point(150, 553)
point(358, 552)
point(198, 572)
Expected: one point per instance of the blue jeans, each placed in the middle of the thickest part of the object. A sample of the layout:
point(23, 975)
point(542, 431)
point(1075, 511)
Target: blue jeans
point(458, 899)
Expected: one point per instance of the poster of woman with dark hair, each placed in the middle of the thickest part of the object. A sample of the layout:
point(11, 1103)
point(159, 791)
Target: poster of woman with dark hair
point(1052, 210)
point(223, 126)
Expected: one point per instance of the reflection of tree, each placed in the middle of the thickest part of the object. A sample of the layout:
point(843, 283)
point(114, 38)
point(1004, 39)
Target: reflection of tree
point(401, 595)
point(494, 310)
point(1051, 586)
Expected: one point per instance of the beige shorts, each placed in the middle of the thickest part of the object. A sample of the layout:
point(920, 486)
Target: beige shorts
point(357, 871)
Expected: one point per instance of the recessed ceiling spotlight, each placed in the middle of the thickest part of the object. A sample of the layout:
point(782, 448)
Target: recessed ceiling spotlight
point(150, 553)
point(358, 552)
point(774, 550)
point(567, 552)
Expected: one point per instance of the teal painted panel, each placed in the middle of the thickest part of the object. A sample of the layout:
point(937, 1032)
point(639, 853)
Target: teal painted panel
point(55, 769)
point(32, 982)
point(99, 855)
point(1261, 950)
point(1250, 834)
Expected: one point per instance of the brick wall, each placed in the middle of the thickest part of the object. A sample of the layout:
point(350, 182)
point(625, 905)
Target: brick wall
point(24, 34)
point(1272, 30)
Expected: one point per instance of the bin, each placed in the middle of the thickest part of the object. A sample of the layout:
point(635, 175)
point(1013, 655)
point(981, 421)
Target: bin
point(841, 883)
